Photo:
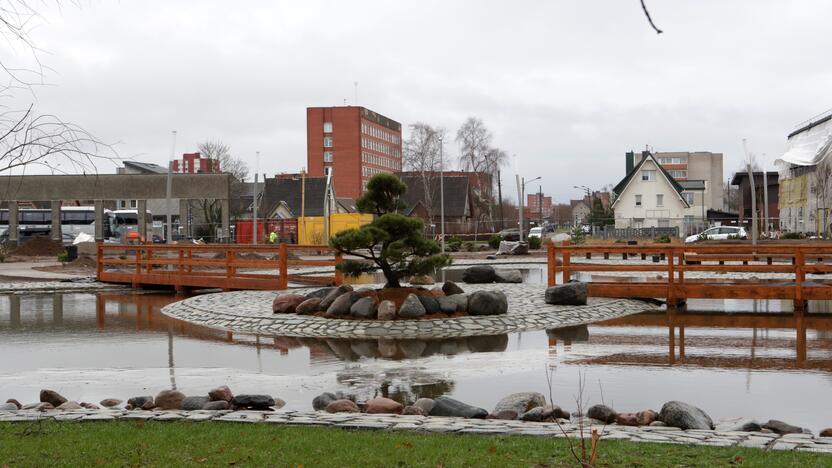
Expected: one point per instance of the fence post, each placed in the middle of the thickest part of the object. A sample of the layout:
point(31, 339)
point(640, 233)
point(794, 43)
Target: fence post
point(229, 258)
point(149, 259)
point(99, 260)
point(283, 268)
point(799, 278)
point(551, 264)
point(339, 276)
point(671, 296)
point(566, 262)
point(138, 270)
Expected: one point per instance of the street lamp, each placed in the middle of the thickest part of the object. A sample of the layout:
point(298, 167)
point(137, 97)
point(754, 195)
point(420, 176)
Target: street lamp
point(588, 197)
point(442, 200)
point(521, 192)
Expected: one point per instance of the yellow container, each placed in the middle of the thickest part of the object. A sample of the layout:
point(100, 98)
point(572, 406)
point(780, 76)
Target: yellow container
point(311, 228)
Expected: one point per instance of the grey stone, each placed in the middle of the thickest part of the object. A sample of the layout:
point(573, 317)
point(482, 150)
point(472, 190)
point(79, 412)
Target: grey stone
point(386, 310)
point(320, 402)
point(139, 401)
point(487, 303)
point(364, 308)
point(411, 307)
point(320, 293)
point(334, 294)
point(574, 293)
point(461, 301)
point(684, 416)
point(447, 406)
point(508, 276)
point(219, 405)
point(782, 428)
point(69, 406)
point(513, 248)
point(341, 305)
point(602, 413)
point(110, 402)
point(450, 288)
point(169, 399)
point(447, 304)
point(479, 274)
point(430, 304)
point(308, 306)
point(520, 403)
point(252, 402)
point(424, 405)
point(545, 413)
point(8, 407)
point(738, 425)
point(194, 403)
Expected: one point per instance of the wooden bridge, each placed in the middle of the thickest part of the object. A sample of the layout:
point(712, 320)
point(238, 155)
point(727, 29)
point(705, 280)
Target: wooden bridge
point(666, 278)
point(223, 266)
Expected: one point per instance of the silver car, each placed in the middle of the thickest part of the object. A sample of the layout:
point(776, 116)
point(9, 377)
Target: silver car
point(719, 233)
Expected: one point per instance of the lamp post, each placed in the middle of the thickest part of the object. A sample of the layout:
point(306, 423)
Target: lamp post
point(521, 189)
point(588, 196)
point(442, 200)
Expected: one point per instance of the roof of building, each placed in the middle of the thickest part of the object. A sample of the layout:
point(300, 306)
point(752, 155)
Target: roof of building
point(737, 178)
point(311, 189)
point(455, 188)
point(626, 180)
point(694, 184)
point(146, 167)
point(574, 203)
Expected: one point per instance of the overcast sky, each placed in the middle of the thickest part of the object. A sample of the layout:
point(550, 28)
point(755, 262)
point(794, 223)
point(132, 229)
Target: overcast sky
point(567, 86)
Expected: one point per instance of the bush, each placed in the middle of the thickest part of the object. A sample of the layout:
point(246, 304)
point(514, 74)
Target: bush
point(494, 241)
point(535, 243)
point(662, 240)
point(578, 235)
point(63, 257)
point(470, 246)
point(454, 244)
point(792, 235)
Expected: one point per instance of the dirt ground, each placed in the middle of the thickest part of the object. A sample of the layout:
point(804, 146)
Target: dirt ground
point(81, 266)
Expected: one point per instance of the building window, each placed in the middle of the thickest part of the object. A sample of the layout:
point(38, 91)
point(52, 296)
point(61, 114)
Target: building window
point(678, 174)
point(638, 200)
point(327, 142)
point(688, 197)
point(327, 156)
point(659, 199)
point(648, 176)
point(327, 127)
point(133, 204)
point(327, 171)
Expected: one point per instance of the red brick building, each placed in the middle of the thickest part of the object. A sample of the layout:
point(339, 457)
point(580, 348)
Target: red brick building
point(535, 203)
point(354, 143)
point(195, 163)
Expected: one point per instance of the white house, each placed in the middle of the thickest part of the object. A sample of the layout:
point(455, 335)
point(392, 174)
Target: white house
point(649, 197)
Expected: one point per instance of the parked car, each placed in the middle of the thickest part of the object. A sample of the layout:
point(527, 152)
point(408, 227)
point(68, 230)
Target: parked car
point(719, 233)
point(511, 234)
point(536, 232)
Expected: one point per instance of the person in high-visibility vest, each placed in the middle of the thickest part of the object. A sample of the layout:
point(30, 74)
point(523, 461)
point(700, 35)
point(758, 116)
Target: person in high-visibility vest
point(273, 237)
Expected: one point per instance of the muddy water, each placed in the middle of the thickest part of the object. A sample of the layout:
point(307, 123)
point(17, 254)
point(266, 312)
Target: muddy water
point(758, 361)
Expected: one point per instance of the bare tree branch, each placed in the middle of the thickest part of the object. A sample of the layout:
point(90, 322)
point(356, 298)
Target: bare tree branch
point(421, 154)
point(649, 19)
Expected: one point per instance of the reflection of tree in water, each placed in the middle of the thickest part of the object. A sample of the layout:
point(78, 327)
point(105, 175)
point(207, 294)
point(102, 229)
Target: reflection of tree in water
point(405, 385)
point(385, 348)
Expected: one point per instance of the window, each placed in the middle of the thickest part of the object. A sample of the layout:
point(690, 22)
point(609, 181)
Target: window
point(327, 156)
point(649, 176)
point(688, 197)
point(327, 142)
point(133, 204)
point(327, 171)
point(678, 174)
point(638, 200)
point(327, 127)
point(659, 199)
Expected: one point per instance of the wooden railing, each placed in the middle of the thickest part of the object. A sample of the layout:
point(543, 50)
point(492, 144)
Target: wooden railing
point(672, 262)
point(225, 266)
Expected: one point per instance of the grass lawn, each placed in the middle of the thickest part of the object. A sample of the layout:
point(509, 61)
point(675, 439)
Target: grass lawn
point(226, 444)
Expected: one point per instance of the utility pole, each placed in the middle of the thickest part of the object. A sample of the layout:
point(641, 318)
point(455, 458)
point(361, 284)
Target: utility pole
point(540, 204)
point(256, 190)
point(500, 197)
point(442, 198)
point(520, 183)
point(169, 192)
point(753, 195)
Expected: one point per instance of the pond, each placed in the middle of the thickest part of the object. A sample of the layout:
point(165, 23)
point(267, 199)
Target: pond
point(759, 361)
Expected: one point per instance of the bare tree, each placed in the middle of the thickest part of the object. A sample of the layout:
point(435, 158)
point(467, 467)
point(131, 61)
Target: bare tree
point(421, 154)
point(477, 155)
point(209, 208)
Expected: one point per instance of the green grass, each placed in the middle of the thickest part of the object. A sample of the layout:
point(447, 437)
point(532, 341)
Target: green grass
point(229, 444)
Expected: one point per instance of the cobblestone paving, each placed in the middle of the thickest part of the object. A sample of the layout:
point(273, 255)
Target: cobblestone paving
point(250, 311)
point(390, 422)
point(26, 287)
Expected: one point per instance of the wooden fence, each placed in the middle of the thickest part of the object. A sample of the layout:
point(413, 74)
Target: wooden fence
point(670, 263)
point(224, 266)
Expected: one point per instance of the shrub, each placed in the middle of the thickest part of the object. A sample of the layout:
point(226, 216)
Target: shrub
point(535, 243)
point(494, 241)
point(662, 239)
point(470, 246)
point(792, 235)
point(63, 257)
point(454, 244)
point(578, 235)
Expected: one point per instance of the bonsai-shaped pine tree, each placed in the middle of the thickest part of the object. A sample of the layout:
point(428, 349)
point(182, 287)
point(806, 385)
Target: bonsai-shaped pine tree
point(392, 243)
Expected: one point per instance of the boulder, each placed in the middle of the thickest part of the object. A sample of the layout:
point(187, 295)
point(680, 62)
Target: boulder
point(287, 303)
point(423, 280)
point(513, 248)
point(424, 405)
point(216, 405)
point(333, 294)
point(341, 305)
point(69, 406)
point(279, 403)
point(139, 401)
point(321, 401)
point(478, 274)
point(8, 407)
point(826, 432)
point(43, 406)
point(252, 402)
point(437, 292)
point(644, 418)
point(547, 413)
point(91, 406)
point(110, 402)
point(520, 403)
point(461, 301)
point(386, 310)
point(738, 425)
point(364, 308)
point(14, 402)
point(52, 397)
point(447, 406)
point(342, 406)
point(309, 306)
point(602, 413)
point(657, 423)
point(487, 303)
point(684, 416)
point(626, 419)
point(430, 303)
point(412, 411)
point(411, 307)
point(573, 293)
point(194, 403)
point(782, 428)
point(148, 405)
point(169, 400)
point(384, 406)
point(447, 304)
point(504, 414)
point(450, 288)
point(508, 276)
point(221, 393)
point(320, 293)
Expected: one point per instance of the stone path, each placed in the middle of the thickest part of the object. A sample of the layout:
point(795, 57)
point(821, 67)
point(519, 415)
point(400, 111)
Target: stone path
point(250, 311)
point(427, 424)
point(28, 287)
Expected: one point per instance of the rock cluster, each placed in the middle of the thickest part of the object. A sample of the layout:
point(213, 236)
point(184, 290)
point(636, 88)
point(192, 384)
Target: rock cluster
point(484, 274)
point(369, 304)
